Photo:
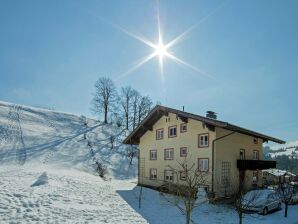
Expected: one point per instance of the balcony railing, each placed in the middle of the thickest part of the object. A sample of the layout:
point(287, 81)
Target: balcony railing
point(255, 164)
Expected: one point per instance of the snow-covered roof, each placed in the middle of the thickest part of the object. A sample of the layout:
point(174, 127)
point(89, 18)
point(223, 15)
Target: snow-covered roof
point(277, 172)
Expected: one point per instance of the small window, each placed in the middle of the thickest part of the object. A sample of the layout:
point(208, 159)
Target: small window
point(169, 154)
point(183, 151)
point(242, 154)
point(256, 140)
point(254, 176)
point(169, 176)
point(153, 174)
point(183, 175)
point(203, 140)
point(183, 127)
point(159, 134)
point(203, 165)
point(153, 154)
point(172, 131)
point(255, 155)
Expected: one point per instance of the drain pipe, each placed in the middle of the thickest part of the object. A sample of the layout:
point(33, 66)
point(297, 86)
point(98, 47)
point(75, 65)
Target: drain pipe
point(213, 143)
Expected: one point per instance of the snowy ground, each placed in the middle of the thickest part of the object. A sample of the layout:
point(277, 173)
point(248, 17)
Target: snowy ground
point(55, 145)
point(69, 197)
point(156, 210)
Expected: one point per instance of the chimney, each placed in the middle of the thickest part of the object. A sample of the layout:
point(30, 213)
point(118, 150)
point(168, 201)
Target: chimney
point(211, 114)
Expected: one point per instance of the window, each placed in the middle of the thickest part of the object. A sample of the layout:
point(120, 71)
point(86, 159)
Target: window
point(183, 127)
point(153, 154)
point(226, 173)
point(159, 134)
point(183, 175)
point(242, 154)
point(172, 131)
point(183, 151)
point(256, 140)
point(169, 175)
point(153, 174)
point(254, 176)
point(255, 155)
point(169, 154)
point(203, 164)
point(203, 140)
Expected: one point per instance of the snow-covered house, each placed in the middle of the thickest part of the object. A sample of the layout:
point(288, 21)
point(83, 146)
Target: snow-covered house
point(276, 176)
point(225, 152)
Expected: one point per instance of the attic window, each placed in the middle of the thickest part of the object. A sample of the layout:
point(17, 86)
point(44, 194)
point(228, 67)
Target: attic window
point(172, 131)
point(256, 140)
point(203, 140)
point(183, 127)
point(159, 134)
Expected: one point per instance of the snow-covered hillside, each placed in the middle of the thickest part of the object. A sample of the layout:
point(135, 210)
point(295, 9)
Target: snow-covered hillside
point(45, 137)
point(289, 149)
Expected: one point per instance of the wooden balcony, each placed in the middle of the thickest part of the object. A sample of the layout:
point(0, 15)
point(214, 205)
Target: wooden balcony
point(255, 164)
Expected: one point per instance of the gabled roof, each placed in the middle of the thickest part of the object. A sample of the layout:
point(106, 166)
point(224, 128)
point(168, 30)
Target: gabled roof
point(158, 111)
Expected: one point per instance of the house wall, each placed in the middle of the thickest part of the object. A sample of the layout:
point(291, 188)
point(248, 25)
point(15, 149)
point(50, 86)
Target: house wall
point(228, 150)
point(187, 139)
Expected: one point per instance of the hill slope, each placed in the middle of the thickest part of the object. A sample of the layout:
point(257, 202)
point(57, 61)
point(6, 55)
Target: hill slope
point(45, 137)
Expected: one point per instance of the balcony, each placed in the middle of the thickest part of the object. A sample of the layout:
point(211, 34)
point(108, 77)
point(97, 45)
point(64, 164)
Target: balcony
point(255, 164)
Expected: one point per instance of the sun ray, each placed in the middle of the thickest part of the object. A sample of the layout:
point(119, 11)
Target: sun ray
point(179, 61)
point(138, 64)
point(137, 37)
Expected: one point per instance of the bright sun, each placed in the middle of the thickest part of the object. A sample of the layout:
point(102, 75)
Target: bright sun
point(160, 50)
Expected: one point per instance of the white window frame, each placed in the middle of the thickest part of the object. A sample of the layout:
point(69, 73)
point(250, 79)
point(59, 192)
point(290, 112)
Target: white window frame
point(153, 174)
point(159, 134)
point(169, 175)
point(203, 140)
point(255, 155)
point(153, 152)
point(169, 154)
point(203, 164)
point(172, 135)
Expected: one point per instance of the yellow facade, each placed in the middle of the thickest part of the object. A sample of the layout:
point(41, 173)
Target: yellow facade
point(226, 150)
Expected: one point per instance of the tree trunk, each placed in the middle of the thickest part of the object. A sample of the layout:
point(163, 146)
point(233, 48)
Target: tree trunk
point(286, 210)
point(106, 115)
point(187, 217)
point(240, 217)
point(126, 118)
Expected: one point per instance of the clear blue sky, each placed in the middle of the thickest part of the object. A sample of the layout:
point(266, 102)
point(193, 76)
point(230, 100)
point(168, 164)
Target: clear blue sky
point(52, 52)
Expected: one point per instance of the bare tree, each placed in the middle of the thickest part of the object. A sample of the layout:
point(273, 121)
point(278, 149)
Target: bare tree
point(131, 153)
point(187, 194)
point(243, 202)
point(285, 192)
point(144, 108)
point(104, 97)
point(126, 95)
point(136, 98)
